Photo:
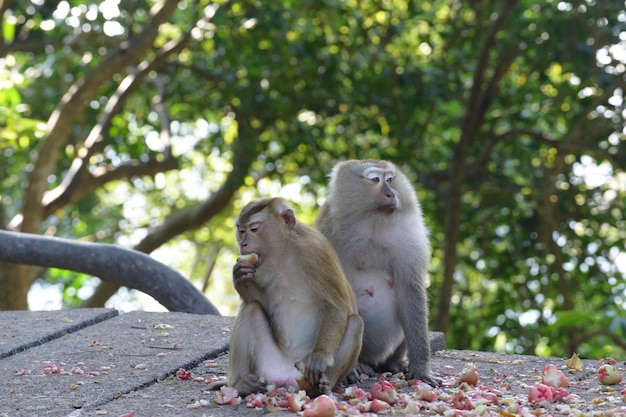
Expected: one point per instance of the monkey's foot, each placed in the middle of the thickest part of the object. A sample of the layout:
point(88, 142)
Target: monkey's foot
point(250, 383)
point(363, 368)
point(427, 378)
point(393, 366)
point(354, 376)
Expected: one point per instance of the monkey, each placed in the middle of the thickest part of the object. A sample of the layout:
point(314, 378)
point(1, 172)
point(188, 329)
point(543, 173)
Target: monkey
point(374, 221)
point(298, 311)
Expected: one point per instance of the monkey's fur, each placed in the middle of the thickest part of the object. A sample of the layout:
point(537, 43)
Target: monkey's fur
point(297, 307)
point(374, 220)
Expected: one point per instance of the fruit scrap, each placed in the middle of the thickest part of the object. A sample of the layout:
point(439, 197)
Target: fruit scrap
point(23, 372)
point(540, 393)
point(469, 375)
point(608, 375)
point(296, 400)
point(553, 377)
point(384, 391)
point(227, 395)
point(460, 401)
point(355, 392)
point(184, 374)
point(377, 405)
point(322, 406)
point(425, 392)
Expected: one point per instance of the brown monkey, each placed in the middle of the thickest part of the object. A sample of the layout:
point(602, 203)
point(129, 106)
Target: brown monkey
point(298, 307)
point(374, 220)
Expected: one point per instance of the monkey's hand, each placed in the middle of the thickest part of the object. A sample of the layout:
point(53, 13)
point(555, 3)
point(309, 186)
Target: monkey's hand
point(313, 368)
point(243, 280)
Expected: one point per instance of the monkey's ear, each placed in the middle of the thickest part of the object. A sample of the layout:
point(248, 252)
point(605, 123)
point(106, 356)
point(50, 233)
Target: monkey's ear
point(289, 217)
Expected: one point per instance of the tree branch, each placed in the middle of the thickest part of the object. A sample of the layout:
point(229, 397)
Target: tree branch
point(77, 182)
point(111, 263)
point(601, 332)
point(61, 121)
point(191, 218)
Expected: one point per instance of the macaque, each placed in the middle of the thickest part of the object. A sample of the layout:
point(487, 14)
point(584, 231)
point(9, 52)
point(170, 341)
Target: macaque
point(298, 324)
point(374, 221)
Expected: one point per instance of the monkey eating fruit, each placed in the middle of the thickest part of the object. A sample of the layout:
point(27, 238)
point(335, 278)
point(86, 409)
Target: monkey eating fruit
point(253, 258)
point(298, 309)
point(374, 220)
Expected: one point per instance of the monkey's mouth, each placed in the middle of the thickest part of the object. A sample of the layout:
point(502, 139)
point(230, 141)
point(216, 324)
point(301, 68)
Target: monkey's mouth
point(387, 208)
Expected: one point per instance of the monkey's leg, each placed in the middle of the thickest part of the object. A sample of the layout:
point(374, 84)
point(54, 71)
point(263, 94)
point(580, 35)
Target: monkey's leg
point(347, 354)
point(396, 362)
point(265, 358)
point(242, 353)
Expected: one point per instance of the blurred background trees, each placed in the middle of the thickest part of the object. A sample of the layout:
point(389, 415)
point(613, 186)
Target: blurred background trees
point(149, 124)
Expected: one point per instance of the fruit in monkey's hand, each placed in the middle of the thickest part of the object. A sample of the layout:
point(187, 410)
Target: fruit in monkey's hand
point(303, 384)
point(253, 258)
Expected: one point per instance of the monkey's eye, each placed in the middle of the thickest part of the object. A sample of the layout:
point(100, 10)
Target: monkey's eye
point(374, 178)
point(254, 227)
point(389, 179)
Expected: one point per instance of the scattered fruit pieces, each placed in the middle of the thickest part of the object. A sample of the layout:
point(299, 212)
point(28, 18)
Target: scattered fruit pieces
point(553, 377)
point(184, 374)
point(227, 395)
point(384, 391)
point(608, 375)
point(296, 401)
point(540, 393)
point(469, 374)
point(322, 406)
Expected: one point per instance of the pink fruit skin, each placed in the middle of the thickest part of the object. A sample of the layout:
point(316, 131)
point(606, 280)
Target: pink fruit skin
point(469, 375)
point(322, 406)
point(608, 375)
point(539, 393)
point(383, 390)
point(553, 377)
point(378, 405)
point(295, 401)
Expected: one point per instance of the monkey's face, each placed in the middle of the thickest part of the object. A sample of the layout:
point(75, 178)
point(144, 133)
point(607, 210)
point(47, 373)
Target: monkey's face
point(249, 236)
point(379, 182)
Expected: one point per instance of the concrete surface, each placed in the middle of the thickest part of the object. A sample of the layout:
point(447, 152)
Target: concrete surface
point(96, 362)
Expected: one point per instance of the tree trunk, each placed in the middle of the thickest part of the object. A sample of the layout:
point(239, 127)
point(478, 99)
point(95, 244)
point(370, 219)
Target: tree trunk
point(14, 285)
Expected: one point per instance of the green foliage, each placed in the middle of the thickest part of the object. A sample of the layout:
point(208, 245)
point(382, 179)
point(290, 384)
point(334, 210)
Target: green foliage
point(538, 101)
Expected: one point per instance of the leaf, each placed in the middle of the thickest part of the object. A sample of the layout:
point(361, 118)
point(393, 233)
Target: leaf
point(574, 362)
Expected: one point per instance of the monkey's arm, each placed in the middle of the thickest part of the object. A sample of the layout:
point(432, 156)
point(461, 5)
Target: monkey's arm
point(413, 313)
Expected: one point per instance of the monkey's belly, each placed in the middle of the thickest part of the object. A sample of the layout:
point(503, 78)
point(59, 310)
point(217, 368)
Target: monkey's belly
point(383, 331)
point(298, 327)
